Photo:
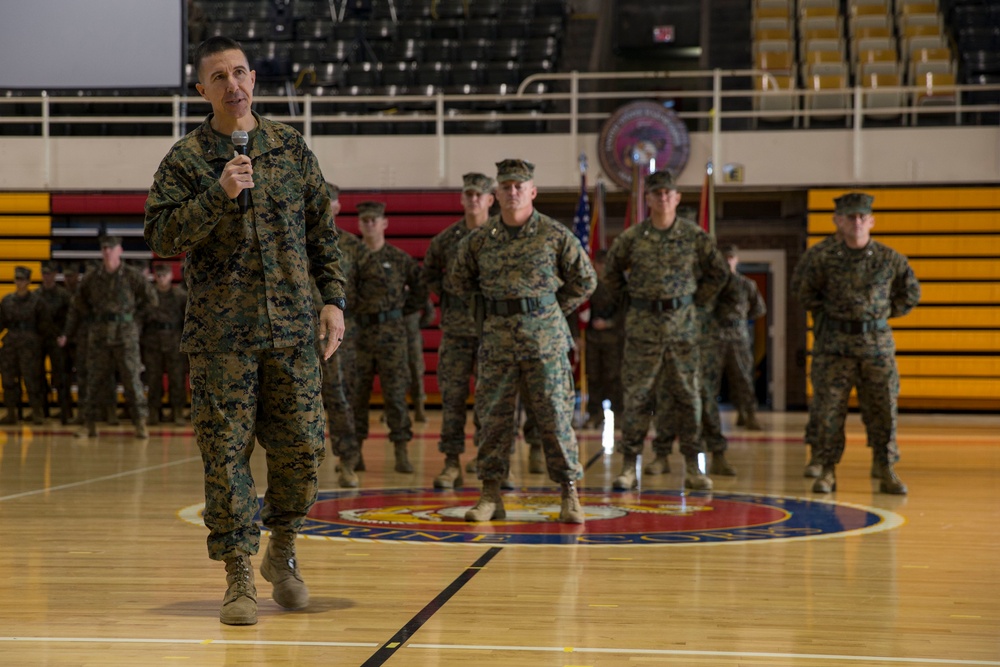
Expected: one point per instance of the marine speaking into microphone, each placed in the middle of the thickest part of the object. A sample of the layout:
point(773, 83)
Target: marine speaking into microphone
point(240, 140)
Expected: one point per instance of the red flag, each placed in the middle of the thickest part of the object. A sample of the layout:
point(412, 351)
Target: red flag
point(598, 238)
point(706, 209)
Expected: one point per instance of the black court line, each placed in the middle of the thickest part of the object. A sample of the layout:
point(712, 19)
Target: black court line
point(594, 459)
point(388, 649)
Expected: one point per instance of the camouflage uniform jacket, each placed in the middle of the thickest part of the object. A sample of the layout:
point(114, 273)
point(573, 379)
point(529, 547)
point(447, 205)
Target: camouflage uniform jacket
point(544, 259)
point(604, 304)
point(799, 273)
point(351, 248)
point(162, 328)
point(247, 274)
point(456, 311)
point(649, 264)
point(113, 303)
point(57, 301)
point(26, 320)
point(387, 279)
point(870, 284)
point(747, 304)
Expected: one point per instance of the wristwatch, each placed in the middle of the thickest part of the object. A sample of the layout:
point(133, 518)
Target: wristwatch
point(339, 302)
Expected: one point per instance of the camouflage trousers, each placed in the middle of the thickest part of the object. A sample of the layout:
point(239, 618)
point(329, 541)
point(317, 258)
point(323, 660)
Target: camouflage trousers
point(415, 358)
point(21, 359)
point(381, 349)
point(271, 395)
point(546, 387)
point(456, 365)
point(811, 436)
point(877, 380)
point(102, 362)
point(60, 379)
point(173, 363)
point(339, 412)
point(604, 376)
point(711, 423)
point(661, 379)
point(736, 361)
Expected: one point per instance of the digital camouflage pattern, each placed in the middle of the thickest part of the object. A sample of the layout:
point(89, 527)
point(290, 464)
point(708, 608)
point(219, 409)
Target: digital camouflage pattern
point(247, 275)
point(283, 409)
point(161, 352)
point(339, 412)
point(115, 304)
point(527, 352)
point(794, 286)
point(733, 339)
point(710, 380)
point(27, 321)
point(662, 349)
point(250, 324)
point(459, 346)
point(871, 284)
point(386, 280)
point(57, 302)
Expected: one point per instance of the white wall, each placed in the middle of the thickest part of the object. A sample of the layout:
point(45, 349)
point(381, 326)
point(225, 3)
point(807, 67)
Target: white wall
point(771, 159)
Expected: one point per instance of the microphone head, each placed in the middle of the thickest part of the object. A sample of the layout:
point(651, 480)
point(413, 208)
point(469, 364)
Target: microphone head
point(240, 138)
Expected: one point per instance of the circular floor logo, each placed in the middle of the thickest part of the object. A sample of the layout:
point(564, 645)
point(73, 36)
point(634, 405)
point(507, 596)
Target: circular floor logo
point(646, 518)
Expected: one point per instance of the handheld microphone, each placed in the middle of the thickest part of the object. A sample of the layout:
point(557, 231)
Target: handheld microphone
point(240, 141)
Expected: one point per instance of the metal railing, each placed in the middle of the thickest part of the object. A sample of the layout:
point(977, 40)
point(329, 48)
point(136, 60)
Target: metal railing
point(715, 101)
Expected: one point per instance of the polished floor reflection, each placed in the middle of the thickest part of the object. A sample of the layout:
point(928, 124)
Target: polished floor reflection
point(104, 559)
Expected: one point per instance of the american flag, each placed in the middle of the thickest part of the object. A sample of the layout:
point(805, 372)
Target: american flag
point(581, 221)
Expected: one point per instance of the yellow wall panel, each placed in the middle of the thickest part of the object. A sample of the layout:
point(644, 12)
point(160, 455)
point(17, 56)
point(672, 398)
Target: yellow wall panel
point(954, 317)
point(972, 388)
point(7, 271)
point(958, 245)
point(25, 202)
point(25, 225)
point(947, 292)
point(952, 269)
point(952, 388)
point(908, 340)
point(18, 249)
point(948, 366)
point(925, 199)
point(950, 222)
point(947, 341)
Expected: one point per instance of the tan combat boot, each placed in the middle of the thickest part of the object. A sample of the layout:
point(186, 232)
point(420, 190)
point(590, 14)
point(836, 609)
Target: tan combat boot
point(282, 570)
point(490, 505)
point(402, 458)
point(419, 415)
point(10, 418)
point(536, 460)
point(88, 430)
point(659, 466)
point(572, 510)
point(346, 477)
point(451, 476)
point(628, 479)
point(877, 469)
point(814, 468)
point(140, 430)
point(721, 466)
point(751, 423)
point(827, 481)
point(694, 478)
point(239, 606)
point(890, 482)
point(471, 466)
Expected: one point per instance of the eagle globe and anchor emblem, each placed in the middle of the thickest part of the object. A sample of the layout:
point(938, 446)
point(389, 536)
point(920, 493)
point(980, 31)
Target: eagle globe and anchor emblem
point(639, 134)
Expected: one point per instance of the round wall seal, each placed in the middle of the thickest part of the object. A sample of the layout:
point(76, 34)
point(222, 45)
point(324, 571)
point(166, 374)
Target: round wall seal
point(653, 518)
point(642, 130)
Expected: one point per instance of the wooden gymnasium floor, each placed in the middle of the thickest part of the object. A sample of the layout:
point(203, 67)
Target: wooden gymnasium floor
point(104, 564)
